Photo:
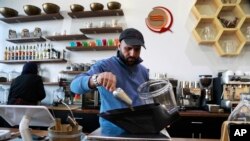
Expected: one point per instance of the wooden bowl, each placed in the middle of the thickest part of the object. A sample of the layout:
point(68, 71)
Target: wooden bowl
point(76, 8)
point(96, 6)
point(8, 12)
point(31, 10)
point(113, 5)
point(50, 8)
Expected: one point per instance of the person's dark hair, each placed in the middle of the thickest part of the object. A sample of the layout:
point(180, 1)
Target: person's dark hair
point(30, 68)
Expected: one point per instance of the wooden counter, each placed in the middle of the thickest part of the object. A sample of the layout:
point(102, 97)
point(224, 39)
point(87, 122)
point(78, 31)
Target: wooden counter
point(99, 135)
point(200, 113)
point(187, 113)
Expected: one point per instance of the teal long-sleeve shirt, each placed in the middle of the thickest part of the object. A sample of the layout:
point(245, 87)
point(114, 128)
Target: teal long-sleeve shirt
point(129, 78)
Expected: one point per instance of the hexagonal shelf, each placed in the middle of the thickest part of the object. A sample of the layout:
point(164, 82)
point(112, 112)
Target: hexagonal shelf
point(245, 29)
point(206, 8)
point(231, 16)
point(229, 20)
point(230, 43)
point(229, 2)
point(207, 30)
point(244, 5)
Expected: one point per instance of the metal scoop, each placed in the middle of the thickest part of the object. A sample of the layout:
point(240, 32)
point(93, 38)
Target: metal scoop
point(121, 95)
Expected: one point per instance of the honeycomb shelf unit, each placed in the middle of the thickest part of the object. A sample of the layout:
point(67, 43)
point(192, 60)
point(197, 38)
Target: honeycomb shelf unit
point(223, 24)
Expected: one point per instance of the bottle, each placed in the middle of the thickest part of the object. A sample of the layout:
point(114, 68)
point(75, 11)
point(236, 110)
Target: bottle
point(41, 52)
point(77, 99)
point(13, 53)
point(16, 53)
point(45, 52)
point(37, 52)
point(9, 53)
point(48, 51)
point(27, 53)
point(6, 54)
point(24, 52)
point(20, 53)
point(34, 53)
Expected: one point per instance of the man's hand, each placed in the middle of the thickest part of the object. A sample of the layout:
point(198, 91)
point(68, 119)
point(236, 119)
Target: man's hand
point(107, 80)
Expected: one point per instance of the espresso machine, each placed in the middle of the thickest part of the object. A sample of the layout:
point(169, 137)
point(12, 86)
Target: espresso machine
point(233, 85)
point(188, 95)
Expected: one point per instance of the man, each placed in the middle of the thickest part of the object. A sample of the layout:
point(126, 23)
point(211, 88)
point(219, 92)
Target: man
point(123, 70)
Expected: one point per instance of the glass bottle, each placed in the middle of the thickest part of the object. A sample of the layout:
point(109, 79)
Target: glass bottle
point(207, 33)
point(248, 32)
point(6, 53)
point(1, 95)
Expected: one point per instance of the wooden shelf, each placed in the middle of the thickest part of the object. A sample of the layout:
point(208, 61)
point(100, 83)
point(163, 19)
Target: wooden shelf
point(103, 13)
point(72, 72)
point(67, 37)
point(101, 30)
point(42, 17)
point(95, 48)
point(38, 61)
point(207, 30)
point(27, 39)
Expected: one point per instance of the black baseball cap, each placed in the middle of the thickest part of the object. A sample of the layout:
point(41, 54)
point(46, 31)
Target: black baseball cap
point(132, 37)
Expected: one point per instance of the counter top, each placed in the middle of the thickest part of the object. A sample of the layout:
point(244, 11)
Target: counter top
point(196, 113)
point(63, 107)
point(15, 133)
point(99, 135)
point(200, 113)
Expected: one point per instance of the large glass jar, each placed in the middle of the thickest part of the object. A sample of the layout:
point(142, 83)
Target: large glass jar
point(242, 110)
point(158, 91)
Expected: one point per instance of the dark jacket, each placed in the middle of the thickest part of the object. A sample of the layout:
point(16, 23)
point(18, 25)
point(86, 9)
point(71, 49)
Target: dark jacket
point(26, 89)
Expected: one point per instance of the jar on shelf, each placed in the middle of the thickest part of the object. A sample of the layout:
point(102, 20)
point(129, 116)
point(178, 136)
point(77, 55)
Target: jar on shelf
point(3, 76)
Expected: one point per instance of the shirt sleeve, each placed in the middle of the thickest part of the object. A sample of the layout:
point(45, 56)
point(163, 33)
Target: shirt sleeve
point(80, 84)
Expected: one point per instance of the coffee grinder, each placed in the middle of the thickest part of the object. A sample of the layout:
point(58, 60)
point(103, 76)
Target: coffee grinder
point(206, 82)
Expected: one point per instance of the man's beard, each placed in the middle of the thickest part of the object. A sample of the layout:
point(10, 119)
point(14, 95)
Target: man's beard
point(128, 61)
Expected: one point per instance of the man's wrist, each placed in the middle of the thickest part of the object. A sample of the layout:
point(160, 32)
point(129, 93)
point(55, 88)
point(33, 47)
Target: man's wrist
point(94, 79)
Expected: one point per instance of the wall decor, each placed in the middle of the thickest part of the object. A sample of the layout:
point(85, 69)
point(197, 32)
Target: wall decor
point(159, 20)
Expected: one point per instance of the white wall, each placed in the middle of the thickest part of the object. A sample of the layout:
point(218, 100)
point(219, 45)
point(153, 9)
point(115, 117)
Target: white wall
point(176, 53)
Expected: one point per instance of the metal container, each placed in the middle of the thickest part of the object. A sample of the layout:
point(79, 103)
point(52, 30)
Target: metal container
point(96, 6)
point(8, 12)
point(50, 8)
point(76, 8)
point(113, 5)
point(31, 10)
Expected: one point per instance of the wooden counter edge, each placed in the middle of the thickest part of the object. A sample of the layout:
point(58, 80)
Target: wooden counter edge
point(188, 113)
